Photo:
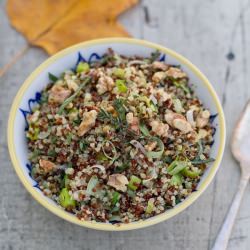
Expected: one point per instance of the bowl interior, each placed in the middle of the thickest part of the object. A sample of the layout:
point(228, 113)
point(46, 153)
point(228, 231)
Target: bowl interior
point(29, 94)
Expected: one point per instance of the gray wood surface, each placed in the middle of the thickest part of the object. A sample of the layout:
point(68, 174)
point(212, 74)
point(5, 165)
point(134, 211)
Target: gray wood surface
point(215, 36)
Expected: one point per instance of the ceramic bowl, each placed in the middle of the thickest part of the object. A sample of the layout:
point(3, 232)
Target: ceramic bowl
point(29, 94)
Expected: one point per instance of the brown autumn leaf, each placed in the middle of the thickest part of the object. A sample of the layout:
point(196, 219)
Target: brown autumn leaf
point(54, 25)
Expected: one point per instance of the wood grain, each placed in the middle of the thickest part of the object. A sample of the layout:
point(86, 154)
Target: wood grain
point(215, 36)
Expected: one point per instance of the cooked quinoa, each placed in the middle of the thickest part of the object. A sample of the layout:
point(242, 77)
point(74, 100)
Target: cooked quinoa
point(119, 140)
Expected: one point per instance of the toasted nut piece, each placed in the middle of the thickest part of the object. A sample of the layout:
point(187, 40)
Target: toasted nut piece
point(182, 125)
point(58, 94)
point(160, 65)
point(159, 128)
point(72, 84)
point(175, 73)
point(202, 134)
point(171, 116)
point(159, 76)
point(118, 181)
point(105, 83)
point(161, 95)
point(88, 121)
point(46, 165)
point(202, 119)
point(133, 122)
point(34, 117)
point(151, 146)
point(130, 117)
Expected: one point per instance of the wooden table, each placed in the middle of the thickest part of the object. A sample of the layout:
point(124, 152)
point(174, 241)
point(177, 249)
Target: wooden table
point(215, 36)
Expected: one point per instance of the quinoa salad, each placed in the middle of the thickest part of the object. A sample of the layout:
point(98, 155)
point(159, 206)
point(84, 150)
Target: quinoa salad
point(120, 139)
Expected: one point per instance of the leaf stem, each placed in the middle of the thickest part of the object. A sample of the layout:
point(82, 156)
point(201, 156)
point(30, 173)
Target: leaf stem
point(13, 60)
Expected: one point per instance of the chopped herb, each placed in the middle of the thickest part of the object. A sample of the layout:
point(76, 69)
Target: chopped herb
point(189, 173)
point(167, 159)
point(120, 73)
point(66, 200)
point(115, 198)
point(44, 98)
point(82, 67)
point(134, 182)
point(156, 154)
point(154, 56)
point(52, 153)
point(52, 77)
point(120, 109)
point(91, 185)
point(69, 138)
point(182, 86)
point(176, 166)
point(150, 207)
point(83, 144)
point(35, 154)
point(176, 180)
point(144, 129)
point(71, 98)
point(120, 84)
point(121, 168)
point(131, 193)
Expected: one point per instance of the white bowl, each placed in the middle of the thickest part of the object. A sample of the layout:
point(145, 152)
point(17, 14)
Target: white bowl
point(29, 94)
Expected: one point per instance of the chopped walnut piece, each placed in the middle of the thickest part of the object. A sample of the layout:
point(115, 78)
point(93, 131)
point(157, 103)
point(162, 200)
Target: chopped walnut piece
point(159, 76)
point(159, 128)
point(72, 84)
point(105, 83)
point(160, 65)
point(118, 181)
point(175, 73)
point(88, 121)
point(170, 116)
point(202, 119)
point(133, 122)
point(46, 165)
point(151, 146)
point(178, 121)
point(182, 125)
point(58, 94)
point(161, 95)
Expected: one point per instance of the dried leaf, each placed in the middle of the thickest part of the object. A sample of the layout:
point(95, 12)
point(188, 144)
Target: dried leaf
point(54, 25)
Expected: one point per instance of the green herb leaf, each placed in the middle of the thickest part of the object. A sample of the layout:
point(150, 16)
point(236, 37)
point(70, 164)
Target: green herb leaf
point(52, 153)
point(118, 72)
point(134, 182)
point(69, 138)
point(115, 198)
point(120, 109)
point(120, 84)
point(83, 144)
point(52, 77)
point(156, 154)
point(144, 129)
point(176, 180)
point(82, 67)
point(182, 86)
point(150, 207)
point(65, 199)
point(91, 185)
point(155, 55)
point(176, 166)
point(121, 168)
point(189, 173)
point(71, 98)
